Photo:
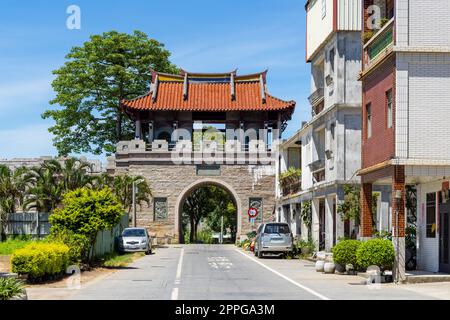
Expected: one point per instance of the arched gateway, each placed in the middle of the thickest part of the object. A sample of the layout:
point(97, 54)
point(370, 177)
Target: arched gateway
point(194, 129)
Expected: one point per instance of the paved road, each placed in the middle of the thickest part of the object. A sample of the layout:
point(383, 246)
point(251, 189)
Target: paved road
point(204, 272)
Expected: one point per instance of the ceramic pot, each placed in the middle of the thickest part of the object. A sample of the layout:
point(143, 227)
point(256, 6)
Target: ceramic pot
point(320, 265)
point(339, 267)
point(329, 267)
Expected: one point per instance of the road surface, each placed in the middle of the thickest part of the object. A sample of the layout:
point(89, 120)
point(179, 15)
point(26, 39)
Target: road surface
point(203, 272)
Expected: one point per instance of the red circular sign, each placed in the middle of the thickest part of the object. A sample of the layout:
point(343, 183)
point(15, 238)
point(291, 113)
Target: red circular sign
point(252, 212)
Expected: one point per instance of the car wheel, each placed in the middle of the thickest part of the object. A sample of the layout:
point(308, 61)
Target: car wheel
point(148, 252)
point(260, 255)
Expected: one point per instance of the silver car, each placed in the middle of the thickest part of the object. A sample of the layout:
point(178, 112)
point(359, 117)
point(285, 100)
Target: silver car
point(135, 240)
point(274, 238)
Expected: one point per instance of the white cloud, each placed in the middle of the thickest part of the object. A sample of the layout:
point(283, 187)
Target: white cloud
point(26, 142)
point(24, 93)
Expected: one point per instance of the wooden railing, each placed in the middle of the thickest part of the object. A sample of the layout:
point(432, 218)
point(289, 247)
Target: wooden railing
point(379, 44)
point(291, 185)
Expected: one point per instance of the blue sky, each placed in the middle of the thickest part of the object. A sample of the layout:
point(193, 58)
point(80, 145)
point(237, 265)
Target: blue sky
point(203, 35)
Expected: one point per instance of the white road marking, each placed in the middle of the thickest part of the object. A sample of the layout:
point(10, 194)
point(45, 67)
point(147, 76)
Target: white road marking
point(284, 277)
point(180, 265)
point(174, 295)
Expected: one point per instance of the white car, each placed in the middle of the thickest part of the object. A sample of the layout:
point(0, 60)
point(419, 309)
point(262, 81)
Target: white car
point(135, 240)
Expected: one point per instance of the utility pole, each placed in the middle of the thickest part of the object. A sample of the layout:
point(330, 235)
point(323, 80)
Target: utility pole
point(221, 230)
point(133, 187)
point(134, 203)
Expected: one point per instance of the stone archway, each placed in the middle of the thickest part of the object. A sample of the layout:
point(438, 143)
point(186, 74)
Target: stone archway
point(202, 182)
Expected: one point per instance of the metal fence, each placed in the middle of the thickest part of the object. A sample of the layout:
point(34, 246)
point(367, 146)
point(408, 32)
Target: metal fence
point(37, 225)
point(27, 223)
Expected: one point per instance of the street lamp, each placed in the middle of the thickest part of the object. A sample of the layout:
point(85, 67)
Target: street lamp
point(133, 187)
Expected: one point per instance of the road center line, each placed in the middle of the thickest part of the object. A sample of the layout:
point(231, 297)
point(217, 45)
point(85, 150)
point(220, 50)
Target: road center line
point(175, 290)
point(180, 265)
point(284, 277)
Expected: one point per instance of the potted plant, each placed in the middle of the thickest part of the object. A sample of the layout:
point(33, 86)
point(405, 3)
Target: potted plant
point(379, 253)
point(344, 255)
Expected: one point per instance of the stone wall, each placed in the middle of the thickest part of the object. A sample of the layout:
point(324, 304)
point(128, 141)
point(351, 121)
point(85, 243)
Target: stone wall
point(176, 181)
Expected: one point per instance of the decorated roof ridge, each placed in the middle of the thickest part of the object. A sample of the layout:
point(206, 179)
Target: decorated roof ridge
point(163, 76)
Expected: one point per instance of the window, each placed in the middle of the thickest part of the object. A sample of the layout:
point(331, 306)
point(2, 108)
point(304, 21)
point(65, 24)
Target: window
point(257, 203)
point(133, 233)
point(160, 209)
point(277, 228)
point(431, 215)
point(389, 108)
point(324, 8)
point(369, 120)
point(331, 55)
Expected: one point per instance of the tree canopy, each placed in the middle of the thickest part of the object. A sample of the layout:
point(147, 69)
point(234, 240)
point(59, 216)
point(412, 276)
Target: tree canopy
point(208, 204)
point(92, 82)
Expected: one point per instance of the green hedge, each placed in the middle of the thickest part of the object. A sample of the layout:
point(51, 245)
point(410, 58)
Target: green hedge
point(345, 252)
point(40, 259)
point(376, 252)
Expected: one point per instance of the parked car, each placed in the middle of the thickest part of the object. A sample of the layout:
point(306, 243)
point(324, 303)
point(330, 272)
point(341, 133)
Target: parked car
point(273, 238)
point(135, 240)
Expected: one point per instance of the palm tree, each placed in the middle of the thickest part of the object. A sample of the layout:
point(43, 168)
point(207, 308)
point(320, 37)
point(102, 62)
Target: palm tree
point(12, 192)
point(52, 179)
point(44, 191)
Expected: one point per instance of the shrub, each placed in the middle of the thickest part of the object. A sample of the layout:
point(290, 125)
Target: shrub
point(78, 244)
point(376, 252)
point(40, 259)
point(309, 245)
point(86, 212)
point(10, 288)
point(344, 252)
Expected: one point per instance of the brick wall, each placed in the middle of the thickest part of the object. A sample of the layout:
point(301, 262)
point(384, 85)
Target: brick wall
point(381, 145)
point(366, 210)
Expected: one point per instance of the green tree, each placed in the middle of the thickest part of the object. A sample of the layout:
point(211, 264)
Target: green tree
point(209, 203)
point(48, 182)
point(121, 186)
point(89, 87)
point(12, 192)
point(86, 212)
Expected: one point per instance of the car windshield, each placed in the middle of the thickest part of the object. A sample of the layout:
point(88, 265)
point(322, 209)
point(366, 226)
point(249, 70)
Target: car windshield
point(277, 228)
point(133, 233)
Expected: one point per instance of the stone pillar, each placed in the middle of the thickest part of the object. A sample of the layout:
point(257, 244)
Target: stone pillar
point(150, 132)
point(315, 225)
point(398, 221)
point(329, 216)
point(366, 211)
point(138, 130)
point(242, 135)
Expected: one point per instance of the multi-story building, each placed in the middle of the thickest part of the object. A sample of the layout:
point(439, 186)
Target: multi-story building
point(405, 82)
point(330, 142)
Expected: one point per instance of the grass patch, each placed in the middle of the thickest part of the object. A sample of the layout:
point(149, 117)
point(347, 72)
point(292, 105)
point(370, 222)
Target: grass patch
point(115, 260)
point(9, 246)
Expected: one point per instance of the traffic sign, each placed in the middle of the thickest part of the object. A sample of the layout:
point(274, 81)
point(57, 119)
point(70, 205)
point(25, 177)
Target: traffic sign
point(252, 212)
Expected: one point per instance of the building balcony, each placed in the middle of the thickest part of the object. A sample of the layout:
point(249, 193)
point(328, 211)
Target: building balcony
point(316, 97)
point(379, 45)
point(184, 152)
point(290, 185)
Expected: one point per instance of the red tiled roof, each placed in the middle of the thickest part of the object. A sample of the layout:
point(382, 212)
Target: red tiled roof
point(208, 96)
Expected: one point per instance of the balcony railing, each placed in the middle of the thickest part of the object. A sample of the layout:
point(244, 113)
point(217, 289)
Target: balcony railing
point(379, 45)
point(290, 185)
point(316, 96)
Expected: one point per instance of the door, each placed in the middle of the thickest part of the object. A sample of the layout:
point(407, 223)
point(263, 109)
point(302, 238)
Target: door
point(444, 239)
point(321, 224)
